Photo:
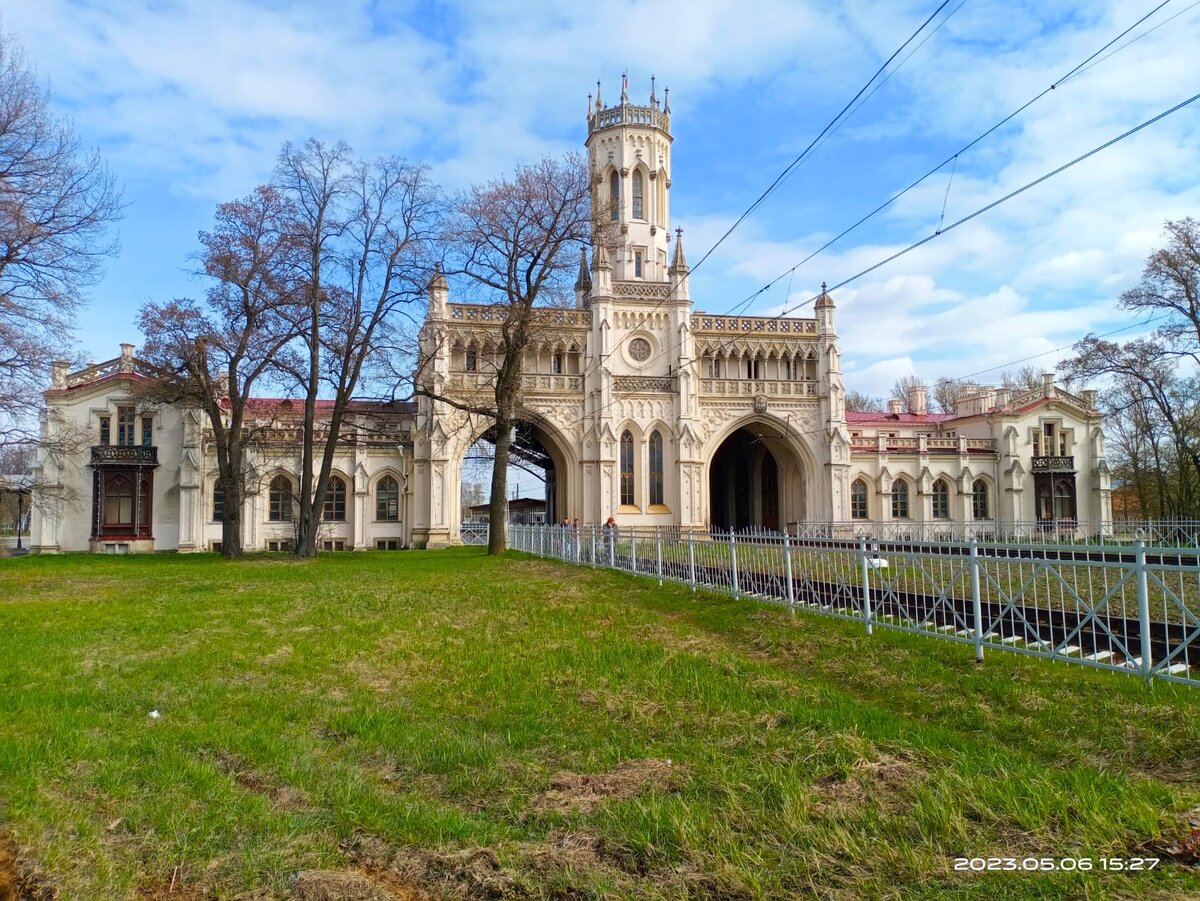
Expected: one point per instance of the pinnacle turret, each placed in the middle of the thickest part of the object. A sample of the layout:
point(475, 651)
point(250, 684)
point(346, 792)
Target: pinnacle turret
point(584, 282)
point(678, 261)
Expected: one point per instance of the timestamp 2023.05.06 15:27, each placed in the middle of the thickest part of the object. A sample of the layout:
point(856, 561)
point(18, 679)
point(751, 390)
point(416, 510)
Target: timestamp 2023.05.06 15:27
point(1047, 864)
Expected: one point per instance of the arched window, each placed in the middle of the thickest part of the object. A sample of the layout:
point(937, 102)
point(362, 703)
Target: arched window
point(656, 468)
point(639, 209)
point(387, 499)
point(899, 499)
point(626, 469)
point(858, 499)
point(218, 507)
point(335, 500)
point(279, 507)
point(614, 195)
point(118, 501)
point(979, 500)
point(1056, 500)
point(941, 499)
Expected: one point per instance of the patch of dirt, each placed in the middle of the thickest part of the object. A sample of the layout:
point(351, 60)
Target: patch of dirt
point(18, 880)
point(584, 792)
point(471, 875)
point(574, 851)
point(1183, 849)
point(281, 795)
point(352, 885)
point(562, 867)
point(173, 890)
point(283, 652)
point(886, 781)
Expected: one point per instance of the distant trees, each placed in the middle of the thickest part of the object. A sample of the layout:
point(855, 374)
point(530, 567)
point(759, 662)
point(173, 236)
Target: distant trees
point(56, 204)
point(518, 240)
point(858, 402)
point(1153, 392)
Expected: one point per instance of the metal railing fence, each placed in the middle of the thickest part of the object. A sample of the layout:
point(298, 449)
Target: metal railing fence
point(1175, 533)
point(1129, 609)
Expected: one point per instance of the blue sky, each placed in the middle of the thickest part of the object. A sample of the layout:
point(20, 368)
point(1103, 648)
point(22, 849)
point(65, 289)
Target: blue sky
point(190, 101)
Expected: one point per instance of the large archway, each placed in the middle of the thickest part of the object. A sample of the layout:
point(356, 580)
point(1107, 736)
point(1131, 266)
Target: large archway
point(538, 474)
point(755, 481)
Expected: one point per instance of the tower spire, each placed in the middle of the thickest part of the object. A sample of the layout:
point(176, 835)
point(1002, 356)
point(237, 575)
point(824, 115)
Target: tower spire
point(584, 282)
point(679, 261)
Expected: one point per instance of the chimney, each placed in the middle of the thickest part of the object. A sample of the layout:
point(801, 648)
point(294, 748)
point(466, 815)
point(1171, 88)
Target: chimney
point(58, 373)
point(1001, 398)
point(1048, 384)
point(1089, 398)
point(916, 400)
point(127, 358)
point(896, 406)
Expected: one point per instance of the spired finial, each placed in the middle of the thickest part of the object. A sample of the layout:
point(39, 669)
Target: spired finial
point(653, 99)
point(679, 262)
point(625, 87)
point(599, 105)
point(823, 288)
point(666, 100)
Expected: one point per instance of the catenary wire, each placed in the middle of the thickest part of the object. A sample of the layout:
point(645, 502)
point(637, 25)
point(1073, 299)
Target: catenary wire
point(831, 127)
point(962, 221)
point(1087, 63)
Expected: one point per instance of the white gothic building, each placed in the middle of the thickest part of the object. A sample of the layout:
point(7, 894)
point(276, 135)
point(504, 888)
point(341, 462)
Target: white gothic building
point(641, 408)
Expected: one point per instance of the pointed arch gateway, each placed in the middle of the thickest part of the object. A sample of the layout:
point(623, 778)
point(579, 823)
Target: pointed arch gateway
point(757, 479)
point(539, 450)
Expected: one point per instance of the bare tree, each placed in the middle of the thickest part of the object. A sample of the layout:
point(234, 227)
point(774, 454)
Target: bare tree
point(212, 355)
point(56, 203)
point(902, 389)
point(365, 236)
point(948, 392)
point(1154, 375)
point(518, 239)
point(1027, 378)
point(858, 402)
point(1170, 287)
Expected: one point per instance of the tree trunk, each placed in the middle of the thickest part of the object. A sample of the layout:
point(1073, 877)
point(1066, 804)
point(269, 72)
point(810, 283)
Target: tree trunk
point(498, 512)
point(231, 524)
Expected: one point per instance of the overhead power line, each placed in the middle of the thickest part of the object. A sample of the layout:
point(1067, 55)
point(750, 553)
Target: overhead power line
point(1076, 70)
point(938, 233)
point(844, 114)
point(833, 123)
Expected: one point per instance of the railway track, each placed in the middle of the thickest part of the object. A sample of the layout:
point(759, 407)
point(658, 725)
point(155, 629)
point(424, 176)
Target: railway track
point(1115, 640)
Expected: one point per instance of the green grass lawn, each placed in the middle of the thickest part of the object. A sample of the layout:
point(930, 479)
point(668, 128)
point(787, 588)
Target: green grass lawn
point(444, 724)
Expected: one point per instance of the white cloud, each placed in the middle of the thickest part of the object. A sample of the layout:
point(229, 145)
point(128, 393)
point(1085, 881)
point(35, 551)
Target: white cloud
point(191, 100)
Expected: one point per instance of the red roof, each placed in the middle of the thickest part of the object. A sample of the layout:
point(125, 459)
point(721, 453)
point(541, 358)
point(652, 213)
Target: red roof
point(282, 406)
point(881, 417)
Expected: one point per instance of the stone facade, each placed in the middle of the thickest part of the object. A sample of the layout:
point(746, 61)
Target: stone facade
point(650, 412)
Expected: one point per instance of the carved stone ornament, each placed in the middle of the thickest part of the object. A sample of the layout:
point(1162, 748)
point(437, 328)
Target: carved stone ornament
point(760, 403)
point(639, 349)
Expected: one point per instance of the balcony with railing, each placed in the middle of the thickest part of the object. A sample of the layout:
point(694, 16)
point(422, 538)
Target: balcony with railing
point(531, 383)
point(720, 387)
point(124, 455)
point(771, 326)
point(916, 444)
point(1052, 464)
point(629, 114)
